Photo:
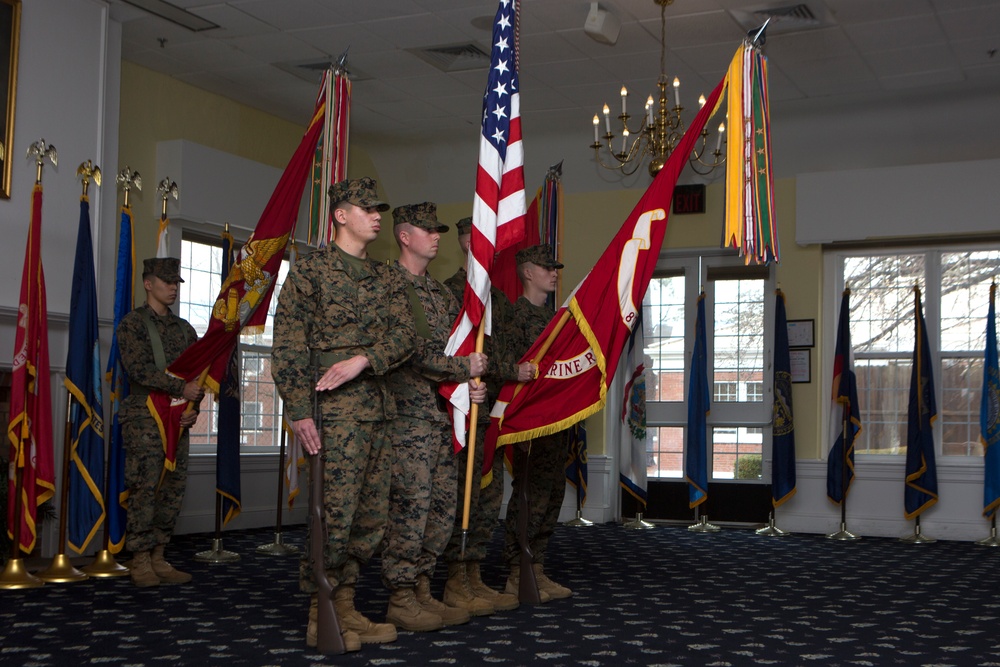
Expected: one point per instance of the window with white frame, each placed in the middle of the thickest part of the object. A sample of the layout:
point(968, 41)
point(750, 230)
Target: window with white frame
point(954, 285)
point(201, 267)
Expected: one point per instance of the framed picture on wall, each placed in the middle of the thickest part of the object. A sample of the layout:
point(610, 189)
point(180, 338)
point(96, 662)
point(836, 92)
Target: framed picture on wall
point(800, 333)
point(10, 32)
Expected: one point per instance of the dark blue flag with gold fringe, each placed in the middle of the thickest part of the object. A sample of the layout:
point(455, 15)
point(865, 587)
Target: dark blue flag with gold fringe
point(783, 427)
point(117, 494)
point(845, 413)
point(989, 414)
point(576, 461)
point(699, 405)
point(227, 460)
point(83, 382)
point(921, 490)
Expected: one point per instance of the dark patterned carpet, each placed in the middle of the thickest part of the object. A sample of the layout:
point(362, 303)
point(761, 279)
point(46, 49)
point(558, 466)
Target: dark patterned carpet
point(656, 598)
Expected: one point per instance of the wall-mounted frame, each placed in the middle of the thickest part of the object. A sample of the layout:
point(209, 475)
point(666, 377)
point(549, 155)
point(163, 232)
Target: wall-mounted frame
point(800, 333)
point(10, 34)
point(801, 365)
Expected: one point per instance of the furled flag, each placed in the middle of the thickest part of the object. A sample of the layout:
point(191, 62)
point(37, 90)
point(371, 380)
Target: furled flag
point(498, 208)
point(989, 414)
point(167, 188)
point(696, 448)
point(117, 494)
point(83, 382)
point(845, 415)
point(30, 427)
point(294, 455)
point(330, 163)
point(750, 222)
point(576, 462)
point(632, 420)
point(783, 426)
point(246, 292)
point(578, 352)
point(921, 489)
point(227, 459)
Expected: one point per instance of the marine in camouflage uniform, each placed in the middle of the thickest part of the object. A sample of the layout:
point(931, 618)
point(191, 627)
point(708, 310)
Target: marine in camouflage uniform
point(465, 587)
point(546, 482)
point(150, 338)
point(422, 495)
point(343, 311)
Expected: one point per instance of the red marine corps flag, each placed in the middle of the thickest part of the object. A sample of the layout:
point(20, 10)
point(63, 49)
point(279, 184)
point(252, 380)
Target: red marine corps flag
point(578, 352)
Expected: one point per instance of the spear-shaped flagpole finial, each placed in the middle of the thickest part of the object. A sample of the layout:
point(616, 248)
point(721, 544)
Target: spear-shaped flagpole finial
point(340, 67)
point(41, 150)
point(757, 37)
point(128, 179)
point(555, 170)
point(166, 189)
point(86, 171)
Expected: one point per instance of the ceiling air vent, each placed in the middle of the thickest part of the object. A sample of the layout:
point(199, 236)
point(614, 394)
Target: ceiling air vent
point(454, 57)
point(784, 17)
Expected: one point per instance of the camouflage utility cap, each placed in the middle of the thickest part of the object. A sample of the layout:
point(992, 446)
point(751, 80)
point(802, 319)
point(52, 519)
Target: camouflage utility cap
point(464, 226)
point(419, 215)
point(540, 255)
point(167, 269)
point(358, 191)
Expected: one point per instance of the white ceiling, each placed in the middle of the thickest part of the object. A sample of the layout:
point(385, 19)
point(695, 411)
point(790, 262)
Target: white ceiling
point(886, 50)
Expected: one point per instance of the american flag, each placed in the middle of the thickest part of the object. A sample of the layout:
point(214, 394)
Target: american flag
point(499, 207)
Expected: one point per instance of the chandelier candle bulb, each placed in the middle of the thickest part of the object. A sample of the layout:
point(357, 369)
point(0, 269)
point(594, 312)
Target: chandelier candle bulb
point(649, 111)
point(607, 119)
point(596, 123)
point(624, 95)
point(701, 101)
point(624, 139)
point(677, 92)
point(718, 140)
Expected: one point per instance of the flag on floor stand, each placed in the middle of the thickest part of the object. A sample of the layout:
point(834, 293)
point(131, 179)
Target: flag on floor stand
point(498, 208)
point(632, 419)
point(115, 376)
point(783, 426)
point(243, 301)
point(576, 462)
point(921, 490)
point(989, 414)
point(30, 427)
point(845, 413)
point(699, 405)
point(83, 382)
point(227, 459)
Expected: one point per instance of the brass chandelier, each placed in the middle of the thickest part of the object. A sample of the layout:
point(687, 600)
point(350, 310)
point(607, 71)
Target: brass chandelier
point(659, 129)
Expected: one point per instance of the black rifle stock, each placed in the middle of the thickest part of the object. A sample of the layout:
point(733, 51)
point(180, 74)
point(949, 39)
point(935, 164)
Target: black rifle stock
point(328, 638)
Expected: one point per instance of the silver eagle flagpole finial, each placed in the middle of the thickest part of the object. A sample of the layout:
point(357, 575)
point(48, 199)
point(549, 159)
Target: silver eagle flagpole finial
point(40, 150)
point(127, 179)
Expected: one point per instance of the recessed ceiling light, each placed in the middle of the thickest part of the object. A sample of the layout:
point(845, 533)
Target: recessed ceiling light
point(174, 14)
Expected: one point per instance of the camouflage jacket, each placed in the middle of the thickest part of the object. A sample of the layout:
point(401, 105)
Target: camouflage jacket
point(138, 361)
point(499, 346)
point(415, 384)
point(326, 309)
point(529, 323)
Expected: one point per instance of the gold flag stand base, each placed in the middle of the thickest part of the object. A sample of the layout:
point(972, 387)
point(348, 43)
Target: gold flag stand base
point(843, 534)
point(771, 530)
point(105, 565)
point(277, 548)
point(217, 554)
point(638, 523)
point(703, 526)
point(579, 521)
point(61, 571)
point(16, 576)
point(917, 537)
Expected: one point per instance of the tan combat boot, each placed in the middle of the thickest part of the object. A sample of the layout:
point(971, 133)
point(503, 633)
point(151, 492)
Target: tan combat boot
point(141, 571)
point(406, 613)
point(513, 586)
point(449, 615)
point(351, 640)
point(165, 571)
point(500, 601)
point(555, 591)
point(351, 619)
point(458, 594)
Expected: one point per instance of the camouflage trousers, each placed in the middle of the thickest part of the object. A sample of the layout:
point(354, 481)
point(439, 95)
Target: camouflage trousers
point(546, 486)
point(153, 505)
point(484, 504)
point(356, 463)
point(421, 500)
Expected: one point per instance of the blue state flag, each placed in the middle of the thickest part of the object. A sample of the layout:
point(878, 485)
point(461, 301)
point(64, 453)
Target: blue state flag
point(921, 489)
point(783, 426)
point(117, 494)
point(989, 415)
point(227, 459)
point(83, 382)
point(699, 405)
point(845, 413)
point(576, 461)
